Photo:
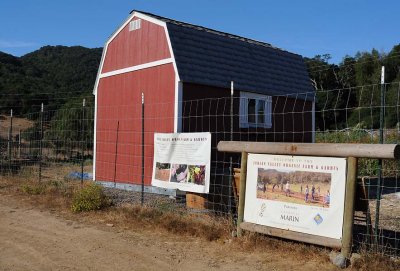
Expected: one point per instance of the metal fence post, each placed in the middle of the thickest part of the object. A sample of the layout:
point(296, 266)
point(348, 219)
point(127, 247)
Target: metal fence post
point(83, 138)
point(19, 143)
point(10, 140)
point(41, 143)
point(378, 186)
point(366, 186)
point(142, 195)
point(230, 158)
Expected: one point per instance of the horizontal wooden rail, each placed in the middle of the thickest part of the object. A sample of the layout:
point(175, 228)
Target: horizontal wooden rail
point(378, 151)
point(292, 235)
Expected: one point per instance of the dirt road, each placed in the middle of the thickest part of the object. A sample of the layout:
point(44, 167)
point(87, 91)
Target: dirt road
point(34, 239)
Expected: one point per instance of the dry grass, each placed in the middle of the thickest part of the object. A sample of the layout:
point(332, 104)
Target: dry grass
point(255, 241)
point(375, 262)
point(304, 252)
point(134, 217)
point(47, 195)
point(18, 124)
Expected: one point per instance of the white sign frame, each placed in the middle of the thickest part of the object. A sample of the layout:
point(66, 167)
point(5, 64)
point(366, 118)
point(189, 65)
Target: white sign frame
point(182, 161)
point(271, 208)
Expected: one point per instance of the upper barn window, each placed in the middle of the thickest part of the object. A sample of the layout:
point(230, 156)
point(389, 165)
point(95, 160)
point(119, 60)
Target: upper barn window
point(135, 24)
point(255, 110)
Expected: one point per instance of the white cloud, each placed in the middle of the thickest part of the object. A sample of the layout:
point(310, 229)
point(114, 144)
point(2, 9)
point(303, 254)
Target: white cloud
point(16, 44)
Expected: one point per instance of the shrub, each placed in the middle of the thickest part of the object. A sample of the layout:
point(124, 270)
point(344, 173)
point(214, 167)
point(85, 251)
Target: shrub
point(89, 198)
point(34, 189)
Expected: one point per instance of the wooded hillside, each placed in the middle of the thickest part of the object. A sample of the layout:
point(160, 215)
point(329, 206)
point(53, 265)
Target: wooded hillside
point(52, 75)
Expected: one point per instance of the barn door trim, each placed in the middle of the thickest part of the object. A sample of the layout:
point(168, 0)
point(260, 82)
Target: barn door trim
point(138, 67)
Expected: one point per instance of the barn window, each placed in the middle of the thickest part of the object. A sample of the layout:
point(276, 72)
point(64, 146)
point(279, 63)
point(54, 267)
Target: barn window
point(255, 110)
point(135, 24)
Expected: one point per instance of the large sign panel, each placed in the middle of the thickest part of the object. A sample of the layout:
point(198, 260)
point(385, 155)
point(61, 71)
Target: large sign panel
point(182, 161)
point(297, 193)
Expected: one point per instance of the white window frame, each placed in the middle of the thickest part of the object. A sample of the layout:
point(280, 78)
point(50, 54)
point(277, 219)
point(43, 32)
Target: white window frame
point(244, 112)
point(135, 24)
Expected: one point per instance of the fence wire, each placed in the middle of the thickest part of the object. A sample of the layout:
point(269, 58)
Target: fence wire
point(58, 144)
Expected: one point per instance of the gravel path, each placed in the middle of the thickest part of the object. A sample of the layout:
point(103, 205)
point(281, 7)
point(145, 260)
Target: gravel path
point(120, 197)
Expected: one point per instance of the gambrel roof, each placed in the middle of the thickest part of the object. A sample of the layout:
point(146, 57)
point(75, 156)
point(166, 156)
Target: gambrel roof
point(209, 57)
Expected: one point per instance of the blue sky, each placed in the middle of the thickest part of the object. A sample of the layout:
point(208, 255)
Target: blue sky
point(305, 27)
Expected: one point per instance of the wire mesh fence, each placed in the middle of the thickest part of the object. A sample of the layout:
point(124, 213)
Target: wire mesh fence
point(70, 142)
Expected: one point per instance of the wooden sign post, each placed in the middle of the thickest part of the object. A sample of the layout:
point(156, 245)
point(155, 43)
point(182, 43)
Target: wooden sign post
point(348, 219)
point(242, 192)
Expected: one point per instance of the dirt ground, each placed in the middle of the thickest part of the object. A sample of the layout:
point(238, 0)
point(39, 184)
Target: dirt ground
point(295, 197)
point(32, 238)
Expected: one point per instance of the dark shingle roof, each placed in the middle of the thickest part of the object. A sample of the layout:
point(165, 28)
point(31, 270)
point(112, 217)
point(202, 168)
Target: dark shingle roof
point(210, 57)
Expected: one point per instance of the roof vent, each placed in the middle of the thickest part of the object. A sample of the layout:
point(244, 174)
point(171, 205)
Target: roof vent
point(134, 25)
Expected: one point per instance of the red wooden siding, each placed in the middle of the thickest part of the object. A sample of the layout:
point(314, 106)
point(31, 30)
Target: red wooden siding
point(119, 99)
point(131, 48)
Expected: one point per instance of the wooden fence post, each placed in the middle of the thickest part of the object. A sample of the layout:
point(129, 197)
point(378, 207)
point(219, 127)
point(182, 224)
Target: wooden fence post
point(242, 192)
point(349, 200)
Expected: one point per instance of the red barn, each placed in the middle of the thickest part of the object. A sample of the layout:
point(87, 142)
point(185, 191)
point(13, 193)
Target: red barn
point(185, 73)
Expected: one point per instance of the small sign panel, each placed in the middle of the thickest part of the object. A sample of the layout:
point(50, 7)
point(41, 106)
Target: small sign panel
point(296, 193)
point(182, 161)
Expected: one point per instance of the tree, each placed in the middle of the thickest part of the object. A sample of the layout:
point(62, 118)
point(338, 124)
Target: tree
point(65, 128)
point(348, 94)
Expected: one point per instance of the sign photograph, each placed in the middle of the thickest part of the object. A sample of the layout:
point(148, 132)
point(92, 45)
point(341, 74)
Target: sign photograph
point(182, 161)
point(297, 193)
